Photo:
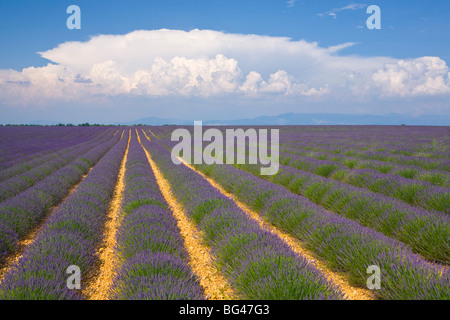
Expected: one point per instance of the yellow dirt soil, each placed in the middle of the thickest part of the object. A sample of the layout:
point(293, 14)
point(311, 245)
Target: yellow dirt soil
point(153, 134)
point(98, 289)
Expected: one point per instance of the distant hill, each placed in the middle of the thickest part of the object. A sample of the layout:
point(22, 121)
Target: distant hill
point(312, 119)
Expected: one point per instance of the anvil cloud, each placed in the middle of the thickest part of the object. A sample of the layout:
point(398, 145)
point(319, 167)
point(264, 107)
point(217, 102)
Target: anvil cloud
point(206, 63)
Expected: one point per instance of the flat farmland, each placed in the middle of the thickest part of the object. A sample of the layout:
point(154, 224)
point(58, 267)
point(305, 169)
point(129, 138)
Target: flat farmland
point(105, 213)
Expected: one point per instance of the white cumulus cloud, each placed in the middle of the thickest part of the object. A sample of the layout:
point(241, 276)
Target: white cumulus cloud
point(421, 76)
point(206, 63)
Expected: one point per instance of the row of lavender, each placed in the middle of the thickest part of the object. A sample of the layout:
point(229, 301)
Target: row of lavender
point(20, 144)
point(69, 237)
point(21, 213)
point(405, 145)
point(22, 141)
point(437, 160)
point(153, 259)
point(42, 158)
point(343, 244)
point(421, 194)
point(417, 193)
point(434, 177)
point(372, 141)
point(257, 264)
point(426, 233)
point(55, 161)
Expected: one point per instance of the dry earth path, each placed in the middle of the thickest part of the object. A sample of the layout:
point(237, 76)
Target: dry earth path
point(98, 288)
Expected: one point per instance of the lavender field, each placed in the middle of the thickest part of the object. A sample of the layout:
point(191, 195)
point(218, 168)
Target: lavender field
point(111, 202)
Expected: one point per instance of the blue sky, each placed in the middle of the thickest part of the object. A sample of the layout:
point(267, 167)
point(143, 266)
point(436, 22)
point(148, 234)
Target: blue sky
point(400, 68)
